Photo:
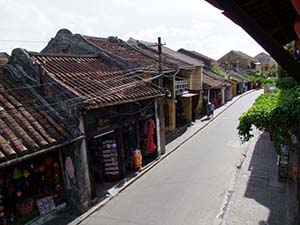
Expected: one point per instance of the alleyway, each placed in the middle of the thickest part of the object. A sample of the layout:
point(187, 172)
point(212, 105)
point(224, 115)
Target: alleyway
point(187, 187)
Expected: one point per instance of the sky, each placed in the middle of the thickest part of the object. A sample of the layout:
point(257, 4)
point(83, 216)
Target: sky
point(190, 24)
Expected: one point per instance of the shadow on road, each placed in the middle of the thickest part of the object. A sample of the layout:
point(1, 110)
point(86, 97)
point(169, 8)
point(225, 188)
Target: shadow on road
point(263, 185)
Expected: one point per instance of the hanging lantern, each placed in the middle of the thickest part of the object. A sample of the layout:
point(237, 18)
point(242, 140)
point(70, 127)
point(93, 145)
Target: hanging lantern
point(296, 4)
point(297, 27)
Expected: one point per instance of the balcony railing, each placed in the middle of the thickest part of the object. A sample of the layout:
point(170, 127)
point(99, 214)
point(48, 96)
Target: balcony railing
point(181, 86)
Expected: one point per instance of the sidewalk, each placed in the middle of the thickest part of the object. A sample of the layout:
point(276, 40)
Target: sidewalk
point(258, 197)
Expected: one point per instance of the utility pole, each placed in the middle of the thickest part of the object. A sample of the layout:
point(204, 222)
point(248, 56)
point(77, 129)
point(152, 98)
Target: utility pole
point(160, 79)
point(160, 107)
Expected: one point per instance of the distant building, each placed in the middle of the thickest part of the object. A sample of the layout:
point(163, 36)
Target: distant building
point(205, 59)
point(238, 61)
point(266, 63)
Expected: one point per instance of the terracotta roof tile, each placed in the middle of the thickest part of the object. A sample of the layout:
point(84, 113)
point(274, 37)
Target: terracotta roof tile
point(212, 80)
point(122, 49)
point(88, 77)
point(25, 127)
point(168, 55)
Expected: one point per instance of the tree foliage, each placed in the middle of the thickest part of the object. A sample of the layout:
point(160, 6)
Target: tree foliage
point(219, 70)
point(277, 112)
point(259, 79)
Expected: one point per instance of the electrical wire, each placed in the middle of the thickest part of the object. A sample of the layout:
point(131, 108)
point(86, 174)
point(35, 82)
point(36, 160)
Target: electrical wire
point(102, 94)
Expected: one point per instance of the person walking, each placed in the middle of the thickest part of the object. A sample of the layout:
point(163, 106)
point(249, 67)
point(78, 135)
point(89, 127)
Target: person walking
point(208, 110)
point(212, 109)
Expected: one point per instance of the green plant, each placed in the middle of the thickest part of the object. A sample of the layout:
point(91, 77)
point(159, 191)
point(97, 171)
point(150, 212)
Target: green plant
point(218, 70)
point(286, 83)
point(259, 79)
point(277, 112)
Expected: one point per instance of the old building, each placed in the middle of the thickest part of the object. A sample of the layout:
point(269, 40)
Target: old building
point(185, 86)
point(127, 55)
point(240, 84)
point(117, 110)
point(40, 157)
point(208, 62)
point(238, 61)
point(113, 52)
point(266, 65)
point(217, 89)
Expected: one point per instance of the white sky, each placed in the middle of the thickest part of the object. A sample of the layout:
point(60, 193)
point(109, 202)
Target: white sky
point(191, 24)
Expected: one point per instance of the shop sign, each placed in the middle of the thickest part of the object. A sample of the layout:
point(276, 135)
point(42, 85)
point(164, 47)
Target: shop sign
point(103, 123)
point(45, 205)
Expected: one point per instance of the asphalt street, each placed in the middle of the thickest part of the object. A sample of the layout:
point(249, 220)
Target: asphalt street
point(187, 187)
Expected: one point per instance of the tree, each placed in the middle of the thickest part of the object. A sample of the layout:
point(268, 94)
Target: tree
point(277, 112)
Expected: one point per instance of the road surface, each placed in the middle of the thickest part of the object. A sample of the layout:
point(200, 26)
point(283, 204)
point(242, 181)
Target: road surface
point(187, 187)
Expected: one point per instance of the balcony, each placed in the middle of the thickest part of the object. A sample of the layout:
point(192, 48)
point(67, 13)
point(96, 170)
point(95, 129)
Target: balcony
point(181, 86)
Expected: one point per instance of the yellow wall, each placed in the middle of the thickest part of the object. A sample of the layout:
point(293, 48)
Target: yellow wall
point(171, 109)
point(234, 88)
point(195, 79)
point(187, 107)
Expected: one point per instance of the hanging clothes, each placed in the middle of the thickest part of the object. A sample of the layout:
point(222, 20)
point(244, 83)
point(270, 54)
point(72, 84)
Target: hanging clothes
point(150, 144)
point(69, 167)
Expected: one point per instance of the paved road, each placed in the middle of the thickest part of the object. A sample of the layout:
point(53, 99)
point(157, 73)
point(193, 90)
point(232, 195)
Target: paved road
point(188, 187)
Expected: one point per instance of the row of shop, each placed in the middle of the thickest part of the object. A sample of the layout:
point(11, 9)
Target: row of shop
point(115, 124)
point(70, 156)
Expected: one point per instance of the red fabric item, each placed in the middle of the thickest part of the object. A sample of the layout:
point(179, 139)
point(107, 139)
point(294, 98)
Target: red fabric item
point(297, 43)
point(297, 27)
point(296, 4)
point(150, 144)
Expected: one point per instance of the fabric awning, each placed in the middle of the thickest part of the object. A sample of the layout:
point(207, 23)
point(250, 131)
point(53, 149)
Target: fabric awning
point(188, 95)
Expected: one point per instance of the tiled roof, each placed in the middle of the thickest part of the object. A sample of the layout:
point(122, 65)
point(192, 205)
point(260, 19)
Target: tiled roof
point(25, 124)
point(168, 55)
point(122, 49)
point(236, 77)
point(87, 77)
point(195, 54)
point(212, 80)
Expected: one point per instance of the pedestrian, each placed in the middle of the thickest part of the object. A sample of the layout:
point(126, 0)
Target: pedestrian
point(208, 109)
point(212, 109)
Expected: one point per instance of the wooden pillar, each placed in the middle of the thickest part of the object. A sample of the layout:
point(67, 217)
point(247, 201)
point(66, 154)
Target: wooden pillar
point(160, 126)
point(171, 114)
point(82, 172)
point(223, 95)
point(187, 108)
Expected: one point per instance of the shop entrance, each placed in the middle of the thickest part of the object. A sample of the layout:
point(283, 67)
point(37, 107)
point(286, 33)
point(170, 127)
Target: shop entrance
point(140, 144)
point(104, 163)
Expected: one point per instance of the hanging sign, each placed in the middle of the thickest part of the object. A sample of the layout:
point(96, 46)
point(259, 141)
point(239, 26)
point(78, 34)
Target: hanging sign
point(103, 123)
point(45, 205)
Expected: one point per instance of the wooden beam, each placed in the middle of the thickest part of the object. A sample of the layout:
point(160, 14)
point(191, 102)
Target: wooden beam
point(271, 45)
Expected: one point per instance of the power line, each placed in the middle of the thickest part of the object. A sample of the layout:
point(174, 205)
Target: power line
point(102, 94)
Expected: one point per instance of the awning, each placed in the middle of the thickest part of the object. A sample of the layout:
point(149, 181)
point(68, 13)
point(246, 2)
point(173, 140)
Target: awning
point(188, 95)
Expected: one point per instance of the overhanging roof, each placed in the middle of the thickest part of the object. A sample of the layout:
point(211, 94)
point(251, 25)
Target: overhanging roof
point(270, 23)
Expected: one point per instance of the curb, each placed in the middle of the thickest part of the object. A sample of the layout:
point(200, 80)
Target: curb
point(85, 215)
point(234, 183)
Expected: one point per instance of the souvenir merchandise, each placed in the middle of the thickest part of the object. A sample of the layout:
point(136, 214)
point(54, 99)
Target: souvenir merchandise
point(150, 144)
point(25, 183)
point(110, 158)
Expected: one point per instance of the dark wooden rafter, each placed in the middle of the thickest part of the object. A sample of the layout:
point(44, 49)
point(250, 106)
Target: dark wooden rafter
point(276, 17)
point(233, 10)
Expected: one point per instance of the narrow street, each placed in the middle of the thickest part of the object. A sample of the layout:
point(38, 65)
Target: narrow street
point(188, 187)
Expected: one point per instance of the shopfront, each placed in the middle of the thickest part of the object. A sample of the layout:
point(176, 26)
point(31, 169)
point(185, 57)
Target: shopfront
point(121, 140)
point(33, 188)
